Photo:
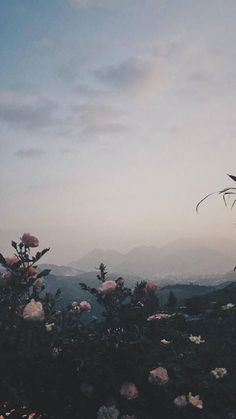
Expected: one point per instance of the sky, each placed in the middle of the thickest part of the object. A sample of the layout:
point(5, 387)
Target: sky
point(116, 118)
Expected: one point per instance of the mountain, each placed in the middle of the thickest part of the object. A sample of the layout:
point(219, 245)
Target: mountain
point(61, 270)
point(184, 257)
point(183, 291)
point(93, 259)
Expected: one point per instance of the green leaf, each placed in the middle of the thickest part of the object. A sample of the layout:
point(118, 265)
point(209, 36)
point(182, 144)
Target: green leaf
point(232, 177)
point(58, 293)
point(2, 260)
point(16, 265)
point(45, 251)
point(45, 272)
point(14, 244)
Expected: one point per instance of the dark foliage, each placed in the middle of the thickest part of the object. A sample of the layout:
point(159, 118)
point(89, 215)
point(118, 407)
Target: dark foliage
point(55, 363)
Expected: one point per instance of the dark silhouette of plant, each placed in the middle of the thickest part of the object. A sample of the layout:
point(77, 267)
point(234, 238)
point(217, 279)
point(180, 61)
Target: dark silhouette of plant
point(134, 361)
point(172, 300)
point(226, 193)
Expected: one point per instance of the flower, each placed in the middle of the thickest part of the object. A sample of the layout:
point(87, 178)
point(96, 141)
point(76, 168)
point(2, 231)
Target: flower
point(150, 287)
point(165, 342)
point(39, 281)
point(120, 281)
point(74, 307)
point(160, 316)
point(181, 401)
point(195, 401)
point(56, 351)
point(7, 276)
point(196, 339)
point(158, 376)
point(86, 389)
point(32, 271)
point(11, 261)
point(107, 287)
point(49, 326)
point(228, 306)
point(219, 372)
point(129, 391)
point(85, 306)
point(29, 241)
point(33, 311)
point(108, 412)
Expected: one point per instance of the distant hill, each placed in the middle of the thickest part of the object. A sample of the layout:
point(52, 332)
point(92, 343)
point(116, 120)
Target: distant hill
point(62, 270)
point(183, 291)
point(93, 259)
point(71, 290)
point(222, 295)
point(179, 258)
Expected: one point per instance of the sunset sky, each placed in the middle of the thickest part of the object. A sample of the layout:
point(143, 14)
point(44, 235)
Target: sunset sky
point(116, 118)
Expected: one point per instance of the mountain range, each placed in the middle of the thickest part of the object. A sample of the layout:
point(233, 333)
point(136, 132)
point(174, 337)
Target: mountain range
point(184, 257)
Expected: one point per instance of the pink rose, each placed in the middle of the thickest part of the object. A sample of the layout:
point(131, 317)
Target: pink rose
point(11, 261)
point(150, 287)
point(29, 241)
point(33, 311)
point(129, 391)
point(85, 305)
point(107, 287)
point(32, 271)
point(158, 376)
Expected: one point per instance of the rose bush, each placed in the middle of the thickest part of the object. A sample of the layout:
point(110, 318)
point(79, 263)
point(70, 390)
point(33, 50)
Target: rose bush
point(136, 360)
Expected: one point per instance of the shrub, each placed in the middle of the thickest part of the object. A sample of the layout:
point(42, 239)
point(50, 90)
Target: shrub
point(134, 361)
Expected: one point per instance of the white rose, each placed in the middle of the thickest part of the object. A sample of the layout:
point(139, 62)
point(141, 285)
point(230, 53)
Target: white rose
point(105, 412)
point(49, 326)
point(158, 376)
point(33, 311)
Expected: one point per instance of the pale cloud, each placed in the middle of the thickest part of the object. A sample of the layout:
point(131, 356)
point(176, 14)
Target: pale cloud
point(143, 77)
point(104, 129)
point(86, 91)
point(46, 44)
point(27, 112)
point(81, 4)
point(126, 74)
point(97, 111)
point(97, 119)
point(30, 153)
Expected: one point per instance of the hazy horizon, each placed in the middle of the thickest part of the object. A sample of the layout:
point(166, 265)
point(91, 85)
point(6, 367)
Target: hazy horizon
point(116, 118)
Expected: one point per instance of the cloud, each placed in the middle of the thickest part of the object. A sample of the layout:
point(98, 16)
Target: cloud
point(201, 77)
point(82, 4)
point(100, 119)
point(104, 129)
point(142, 78)
point(87, 91)
point(30, 153)
point(45, 43)
point(27, 112)
point(125, 74)
point(109, 4)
